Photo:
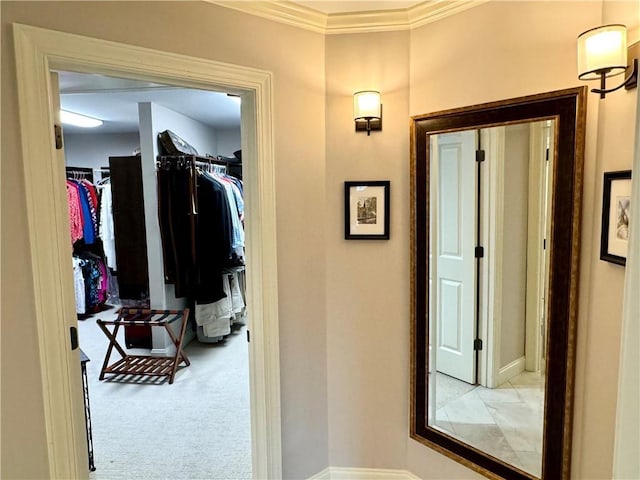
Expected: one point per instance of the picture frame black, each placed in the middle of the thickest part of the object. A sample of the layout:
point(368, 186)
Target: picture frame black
point(367, 210)
point(616, 195)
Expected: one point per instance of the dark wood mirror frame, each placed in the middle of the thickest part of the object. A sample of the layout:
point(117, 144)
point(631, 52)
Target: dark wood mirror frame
point(568, 108)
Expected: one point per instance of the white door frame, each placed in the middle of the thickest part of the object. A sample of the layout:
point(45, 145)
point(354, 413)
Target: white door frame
point(37, 52)
point(493, 142)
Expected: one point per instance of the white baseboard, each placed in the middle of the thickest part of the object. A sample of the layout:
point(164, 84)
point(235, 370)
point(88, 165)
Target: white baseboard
point(338, 473)
point(511, 370)
point(323, 475)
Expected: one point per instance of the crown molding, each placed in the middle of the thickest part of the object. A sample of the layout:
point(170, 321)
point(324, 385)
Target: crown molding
point(281, 11)
point(291, 13)
point(362, 22)
point(433, 11)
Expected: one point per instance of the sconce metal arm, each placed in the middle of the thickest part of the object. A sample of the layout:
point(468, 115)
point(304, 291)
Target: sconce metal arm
point(630, 82)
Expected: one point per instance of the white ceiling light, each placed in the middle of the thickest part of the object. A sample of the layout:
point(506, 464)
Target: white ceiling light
point(78, 120)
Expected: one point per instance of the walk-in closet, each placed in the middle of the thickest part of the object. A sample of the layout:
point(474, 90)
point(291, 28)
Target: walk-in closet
point(155, 198)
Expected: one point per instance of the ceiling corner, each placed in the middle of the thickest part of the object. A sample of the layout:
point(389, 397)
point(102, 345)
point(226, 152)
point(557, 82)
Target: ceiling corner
point(298, 15)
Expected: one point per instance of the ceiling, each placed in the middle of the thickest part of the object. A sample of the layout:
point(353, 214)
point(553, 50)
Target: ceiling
point(115, 102)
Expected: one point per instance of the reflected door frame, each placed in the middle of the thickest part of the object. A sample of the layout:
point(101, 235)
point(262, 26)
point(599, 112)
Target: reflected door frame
point(490, 324)
point(541, 147)
point(493, 140)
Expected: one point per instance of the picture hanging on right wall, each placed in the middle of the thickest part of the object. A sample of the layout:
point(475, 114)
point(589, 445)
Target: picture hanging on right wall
point(616, 198)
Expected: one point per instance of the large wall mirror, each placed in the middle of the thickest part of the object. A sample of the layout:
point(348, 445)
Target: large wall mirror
point(496, 197)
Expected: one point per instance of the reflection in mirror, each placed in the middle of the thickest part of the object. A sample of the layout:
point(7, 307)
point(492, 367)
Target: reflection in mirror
point(495, 205)
point(490, 398)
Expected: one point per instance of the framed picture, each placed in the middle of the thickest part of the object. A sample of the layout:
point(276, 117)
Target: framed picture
point(616, 199)
point(366, 210)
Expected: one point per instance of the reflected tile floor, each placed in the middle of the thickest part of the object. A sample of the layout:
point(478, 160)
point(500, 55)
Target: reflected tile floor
point(505, 422)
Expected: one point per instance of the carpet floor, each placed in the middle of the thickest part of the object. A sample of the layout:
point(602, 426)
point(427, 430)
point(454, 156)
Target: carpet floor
point(196, 428)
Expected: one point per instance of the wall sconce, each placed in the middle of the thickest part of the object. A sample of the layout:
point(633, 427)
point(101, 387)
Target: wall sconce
point(367, 111)
point(602, 53)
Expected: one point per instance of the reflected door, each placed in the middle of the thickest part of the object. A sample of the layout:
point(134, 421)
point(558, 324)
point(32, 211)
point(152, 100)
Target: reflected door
point(454, 187)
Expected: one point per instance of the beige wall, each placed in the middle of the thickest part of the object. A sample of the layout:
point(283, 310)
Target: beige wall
point(601, 302)
point(204, 30)
point(514, 236)
point(344, 304)
point(367, 280)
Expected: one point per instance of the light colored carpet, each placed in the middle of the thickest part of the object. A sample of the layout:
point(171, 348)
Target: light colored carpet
point(196, 428)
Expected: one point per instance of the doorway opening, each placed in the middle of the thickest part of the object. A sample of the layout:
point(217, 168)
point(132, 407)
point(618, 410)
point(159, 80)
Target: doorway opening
point(204, 413)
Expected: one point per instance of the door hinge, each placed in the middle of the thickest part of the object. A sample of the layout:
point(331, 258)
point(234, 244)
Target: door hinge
point(479, 252)
point(477, 344)
point(248, 336)
point(547, 155)
point(73, 337)
point(57, 134)
point(544, 244)
point(479, 155)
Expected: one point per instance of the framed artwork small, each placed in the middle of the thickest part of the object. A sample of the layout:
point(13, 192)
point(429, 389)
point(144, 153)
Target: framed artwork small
point(616, 201)
point(366, 210)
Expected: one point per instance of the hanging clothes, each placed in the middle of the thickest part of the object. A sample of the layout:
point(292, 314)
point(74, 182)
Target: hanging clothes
point(196, 230)
point(177, 216)
point(78, 283)
point(237, 230)
point(213, 238)
point(75, 212)
point(201, 223)
point(91, 276)
point(91, 280)
point(79, 211)
point(215, 319)
point(106, 230)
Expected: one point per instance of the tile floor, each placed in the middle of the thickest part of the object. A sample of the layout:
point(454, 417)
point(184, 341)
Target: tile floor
point(505, 422)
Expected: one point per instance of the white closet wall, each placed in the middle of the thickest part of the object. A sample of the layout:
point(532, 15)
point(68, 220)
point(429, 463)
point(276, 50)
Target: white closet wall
point(92, 150)
point(228, 141)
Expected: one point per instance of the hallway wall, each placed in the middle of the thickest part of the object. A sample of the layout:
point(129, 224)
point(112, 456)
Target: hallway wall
point(344, 312)
point(292, 55)
point(367, 281)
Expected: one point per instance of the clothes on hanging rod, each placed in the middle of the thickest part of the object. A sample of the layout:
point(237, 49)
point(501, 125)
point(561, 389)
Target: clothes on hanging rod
point(87, 212)
point(82, 198)
point(212, 232)
point(106, 227)
point(91, 281)
point(76, 174)
point(215, 319)
point(101, 174)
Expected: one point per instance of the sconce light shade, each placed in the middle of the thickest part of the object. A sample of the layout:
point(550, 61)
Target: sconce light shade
point(367, 111)
point(602, 53)
point(602, 48)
